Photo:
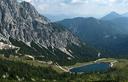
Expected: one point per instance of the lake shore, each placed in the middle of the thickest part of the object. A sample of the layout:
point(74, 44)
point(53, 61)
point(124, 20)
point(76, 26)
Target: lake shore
point(111, 61)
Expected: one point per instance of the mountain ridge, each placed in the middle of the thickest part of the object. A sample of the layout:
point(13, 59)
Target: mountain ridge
point(108, 35)
point(22, 26)
point(111, 15)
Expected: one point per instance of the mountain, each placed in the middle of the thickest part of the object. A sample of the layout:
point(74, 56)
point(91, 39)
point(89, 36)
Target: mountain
point(125, 15)
point(111, 16)
point(107, 35)
point(122, 23)
point(33, 34)
point(54, 18)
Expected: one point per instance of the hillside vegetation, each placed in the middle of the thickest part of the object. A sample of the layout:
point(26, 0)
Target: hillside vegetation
point(24, 71)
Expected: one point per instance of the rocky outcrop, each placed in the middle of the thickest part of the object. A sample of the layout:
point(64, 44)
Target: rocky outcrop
point(22, 22)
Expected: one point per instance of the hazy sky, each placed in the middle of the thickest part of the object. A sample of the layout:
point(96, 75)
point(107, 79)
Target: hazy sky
point(95, 8)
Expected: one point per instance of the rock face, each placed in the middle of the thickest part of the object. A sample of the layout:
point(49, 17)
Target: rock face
point(22, 26)
point(23, 22)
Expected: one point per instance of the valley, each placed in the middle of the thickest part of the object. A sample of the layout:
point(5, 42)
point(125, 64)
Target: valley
point(117, 73)
point(79, 49)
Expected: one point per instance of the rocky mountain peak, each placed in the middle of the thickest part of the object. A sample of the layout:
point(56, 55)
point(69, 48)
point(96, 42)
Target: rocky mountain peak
point(21, 21)
point(110, 16)
point(30, 9)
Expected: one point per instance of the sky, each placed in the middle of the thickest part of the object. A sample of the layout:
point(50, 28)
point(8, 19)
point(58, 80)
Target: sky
point(85, 8)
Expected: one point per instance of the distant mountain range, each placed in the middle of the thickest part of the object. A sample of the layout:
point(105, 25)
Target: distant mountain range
point(114, 15)
point(125, 15)
point(108, 33)
point(54, 18)
point(111, 16)
point(59, 17)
